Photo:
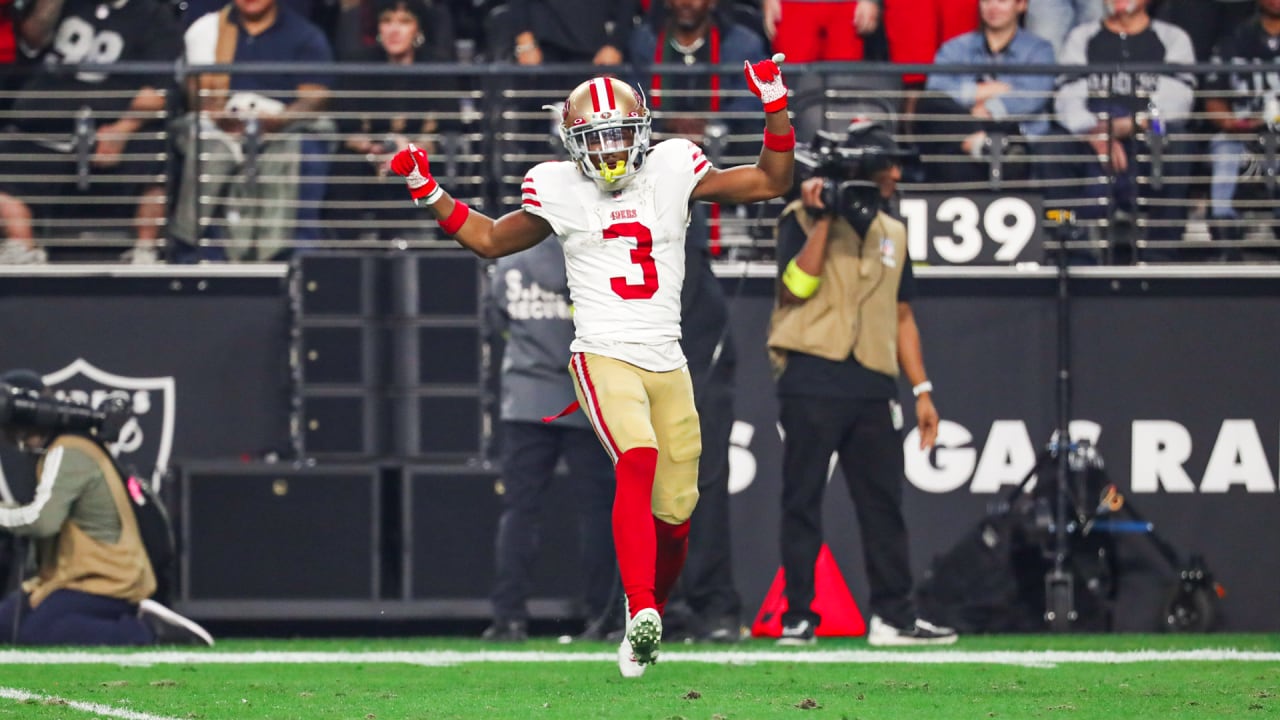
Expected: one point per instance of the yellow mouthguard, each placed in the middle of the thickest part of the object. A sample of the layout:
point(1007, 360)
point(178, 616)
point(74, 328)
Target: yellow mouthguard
point(612, 174)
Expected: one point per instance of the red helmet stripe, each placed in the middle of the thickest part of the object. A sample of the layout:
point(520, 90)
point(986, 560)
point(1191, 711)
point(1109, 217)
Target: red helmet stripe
point(608, 90)
point(595, 98)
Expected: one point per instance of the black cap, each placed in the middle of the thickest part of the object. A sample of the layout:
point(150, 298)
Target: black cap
point(24, 379)
point(869, 135)
point(420, 9)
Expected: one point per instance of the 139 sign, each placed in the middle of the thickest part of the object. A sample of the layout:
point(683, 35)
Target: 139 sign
point(975, 229)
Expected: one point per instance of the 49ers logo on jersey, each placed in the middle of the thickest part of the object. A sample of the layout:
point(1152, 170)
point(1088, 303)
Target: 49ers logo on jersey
point(627, 214)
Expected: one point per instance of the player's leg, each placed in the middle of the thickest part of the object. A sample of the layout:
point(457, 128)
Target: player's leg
point(675, 491)
point(612, 395)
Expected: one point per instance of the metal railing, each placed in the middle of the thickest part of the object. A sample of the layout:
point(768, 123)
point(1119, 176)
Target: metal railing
point(254, 188)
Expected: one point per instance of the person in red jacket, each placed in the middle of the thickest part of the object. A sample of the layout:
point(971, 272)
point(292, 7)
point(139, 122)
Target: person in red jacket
point(917, 28)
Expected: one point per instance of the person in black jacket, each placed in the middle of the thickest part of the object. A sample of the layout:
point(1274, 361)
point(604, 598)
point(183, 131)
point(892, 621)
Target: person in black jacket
point(408, 110)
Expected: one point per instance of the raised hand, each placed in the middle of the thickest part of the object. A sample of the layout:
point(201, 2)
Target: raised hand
point(411, 163)
point(765, 80)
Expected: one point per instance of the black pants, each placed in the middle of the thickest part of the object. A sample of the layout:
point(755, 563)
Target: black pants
point(1083, 179)
point(870, 452)
point(530, 451)
point(955, 119)
point(706, 584)
point(70, 617)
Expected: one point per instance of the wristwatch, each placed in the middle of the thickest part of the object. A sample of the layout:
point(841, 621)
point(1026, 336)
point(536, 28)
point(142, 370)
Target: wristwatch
point(922, 388)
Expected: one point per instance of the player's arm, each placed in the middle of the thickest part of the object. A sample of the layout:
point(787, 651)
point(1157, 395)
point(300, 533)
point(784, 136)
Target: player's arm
point(771, 176)
point(473, 230)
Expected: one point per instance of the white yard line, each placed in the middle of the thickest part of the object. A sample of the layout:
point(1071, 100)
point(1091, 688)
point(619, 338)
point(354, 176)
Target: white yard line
point(438, 658)
point(93, 708)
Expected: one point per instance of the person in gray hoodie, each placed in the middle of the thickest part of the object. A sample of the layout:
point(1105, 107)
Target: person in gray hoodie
point(528, 303)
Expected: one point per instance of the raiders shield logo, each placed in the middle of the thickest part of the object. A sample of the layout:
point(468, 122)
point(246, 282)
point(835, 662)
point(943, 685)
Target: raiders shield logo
point(147, 438)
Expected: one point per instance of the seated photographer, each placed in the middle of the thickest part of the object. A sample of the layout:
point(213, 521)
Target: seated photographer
point(93, 578)
point(841, 329)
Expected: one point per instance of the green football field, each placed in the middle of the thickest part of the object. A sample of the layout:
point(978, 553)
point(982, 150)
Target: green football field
point(1075, 677)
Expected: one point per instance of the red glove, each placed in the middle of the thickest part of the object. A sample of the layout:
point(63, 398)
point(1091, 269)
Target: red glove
point(765, 80)
point(411, 163)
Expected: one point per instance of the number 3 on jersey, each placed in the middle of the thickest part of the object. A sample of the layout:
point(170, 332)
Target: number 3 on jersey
point(642, 256)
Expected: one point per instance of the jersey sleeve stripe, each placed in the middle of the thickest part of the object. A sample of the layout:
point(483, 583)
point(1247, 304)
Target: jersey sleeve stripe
point(528, 189)
point(530, 201)
point(700, 166)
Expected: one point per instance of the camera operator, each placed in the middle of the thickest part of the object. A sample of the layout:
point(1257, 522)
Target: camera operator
point(93, 578)
point(841, 327)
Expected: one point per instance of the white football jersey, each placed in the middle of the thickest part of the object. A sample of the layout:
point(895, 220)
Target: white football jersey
point(624, 251)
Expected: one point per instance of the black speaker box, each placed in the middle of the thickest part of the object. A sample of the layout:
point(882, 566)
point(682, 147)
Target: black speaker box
point(338, 352)
point(439, 425)
point(341, 422)
point(338, 284)
point(451, 520)
point(279, 532)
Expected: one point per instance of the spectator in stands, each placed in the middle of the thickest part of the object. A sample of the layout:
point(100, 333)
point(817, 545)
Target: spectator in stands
point(111, 110)
point(8, 52)
point(1207, 21)
point(1109, 113)
point(987, 105)
point(529, 306)
point(916, 29)
point(360, 32)
point(571, 31)
point(260, 140)
point(94, 580)
point(375, 129)
point(1242, 101)
point(1053, 19)
point(814, 30)
point(693, 32)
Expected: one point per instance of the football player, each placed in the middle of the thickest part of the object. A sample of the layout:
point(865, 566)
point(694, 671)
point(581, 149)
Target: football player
point(621, 209)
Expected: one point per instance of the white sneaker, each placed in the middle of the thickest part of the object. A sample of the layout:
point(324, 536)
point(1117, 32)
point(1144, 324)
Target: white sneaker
point(627, 663)
point(170, 628)
point(797, 634)
point(13, 252)
point(141, 255)
point(644, 634)
point(921, 632)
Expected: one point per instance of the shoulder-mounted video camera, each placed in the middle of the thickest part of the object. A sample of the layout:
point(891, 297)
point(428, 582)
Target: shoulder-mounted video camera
point(848, 165)
point(31, 410)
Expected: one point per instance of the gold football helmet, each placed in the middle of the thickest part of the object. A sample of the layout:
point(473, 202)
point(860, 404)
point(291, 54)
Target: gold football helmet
point(605, 128)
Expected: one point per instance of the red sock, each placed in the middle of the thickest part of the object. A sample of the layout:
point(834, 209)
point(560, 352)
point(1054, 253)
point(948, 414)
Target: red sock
point(673, 546)
point(633, 531)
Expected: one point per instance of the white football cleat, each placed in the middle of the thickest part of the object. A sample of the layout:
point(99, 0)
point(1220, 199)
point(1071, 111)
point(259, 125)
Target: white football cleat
point(627, 664)
point(644, 633)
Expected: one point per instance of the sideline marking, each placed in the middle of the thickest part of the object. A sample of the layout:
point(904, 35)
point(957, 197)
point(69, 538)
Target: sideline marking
point(443, 658)
point(95, 708)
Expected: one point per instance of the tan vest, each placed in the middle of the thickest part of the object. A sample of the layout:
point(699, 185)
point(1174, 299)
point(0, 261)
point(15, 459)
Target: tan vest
point(79, 562)
point(855, 309)
point(216, 87)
